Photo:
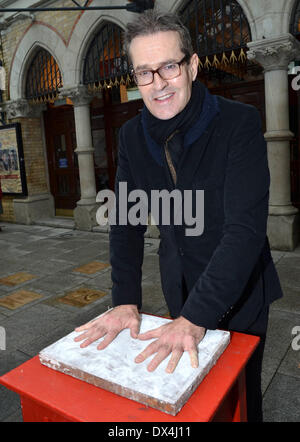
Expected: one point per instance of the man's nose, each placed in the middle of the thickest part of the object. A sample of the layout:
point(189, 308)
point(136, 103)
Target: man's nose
point(158, 82)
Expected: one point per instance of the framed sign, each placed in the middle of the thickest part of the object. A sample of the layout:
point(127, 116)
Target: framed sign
point(12, 167)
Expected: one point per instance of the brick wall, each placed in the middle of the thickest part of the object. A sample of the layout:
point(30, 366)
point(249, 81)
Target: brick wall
point(8, 212)
point(34, 155)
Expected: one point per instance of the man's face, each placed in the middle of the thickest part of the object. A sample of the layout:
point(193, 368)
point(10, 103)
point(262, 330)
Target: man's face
point(163, 98)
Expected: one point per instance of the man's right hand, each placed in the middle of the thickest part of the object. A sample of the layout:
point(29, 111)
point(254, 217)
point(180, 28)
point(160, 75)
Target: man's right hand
point(110, 325)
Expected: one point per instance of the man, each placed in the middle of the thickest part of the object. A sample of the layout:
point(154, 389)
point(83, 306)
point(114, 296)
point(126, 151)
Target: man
point(188, 139)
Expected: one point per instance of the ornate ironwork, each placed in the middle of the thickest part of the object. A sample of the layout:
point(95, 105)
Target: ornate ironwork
point(105, 63)
point(295, 21)
point(43, 78)
point(219, 31)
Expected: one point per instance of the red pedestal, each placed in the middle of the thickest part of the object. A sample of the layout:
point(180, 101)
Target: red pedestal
point(48, 395)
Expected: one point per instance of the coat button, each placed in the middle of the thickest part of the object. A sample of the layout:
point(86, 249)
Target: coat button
point(181, 251)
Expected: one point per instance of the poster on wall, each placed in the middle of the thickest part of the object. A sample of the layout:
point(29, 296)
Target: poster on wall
point(12, 168)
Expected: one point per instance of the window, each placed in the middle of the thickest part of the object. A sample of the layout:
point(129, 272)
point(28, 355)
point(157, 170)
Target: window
point(105, 64)
point(43, 77)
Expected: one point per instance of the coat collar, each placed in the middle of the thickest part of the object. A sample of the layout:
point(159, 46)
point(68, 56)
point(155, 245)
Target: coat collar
point(209, 110)
point(193, 152)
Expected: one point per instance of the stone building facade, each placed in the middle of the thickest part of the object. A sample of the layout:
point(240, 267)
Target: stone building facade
point(70, 125)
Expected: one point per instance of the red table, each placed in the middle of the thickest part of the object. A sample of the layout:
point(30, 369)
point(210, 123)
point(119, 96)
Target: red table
point(48, 395)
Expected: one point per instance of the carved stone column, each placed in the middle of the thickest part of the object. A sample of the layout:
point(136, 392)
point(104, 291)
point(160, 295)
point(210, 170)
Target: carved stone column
point(85, 212)
point(37, 204)
point(274, 55)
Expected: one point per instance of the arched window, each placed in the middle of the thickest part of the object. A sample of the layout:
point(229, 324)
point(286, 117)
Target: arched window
point(220, 33)
point(295, 20)
point(43, 78)
point(105, 63)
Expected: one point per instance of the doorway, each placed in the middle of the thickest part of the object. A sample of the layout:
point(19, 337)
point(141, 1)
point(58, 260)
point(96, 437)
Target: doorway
point(62, 160)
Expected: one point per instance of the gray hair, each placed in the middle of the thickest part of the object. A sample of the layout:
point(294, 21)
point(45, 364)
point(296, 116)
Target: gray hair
point(151, 22)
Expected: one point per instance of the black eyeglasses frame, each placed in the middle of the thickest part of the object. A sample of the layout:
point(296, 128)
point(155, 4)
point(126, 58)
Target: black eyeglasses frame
point(156, 71)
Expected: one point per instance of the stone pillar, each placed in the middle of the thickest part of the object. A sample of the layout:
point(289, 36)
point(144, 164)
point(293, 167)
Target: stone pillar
point(274, 54)
point(85, 211)
point(39, 203)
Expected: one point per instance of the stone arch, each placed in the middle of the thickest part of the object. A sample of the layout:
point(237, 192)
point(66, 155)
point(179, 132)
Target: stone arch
point(80, 39)
point(38, 36)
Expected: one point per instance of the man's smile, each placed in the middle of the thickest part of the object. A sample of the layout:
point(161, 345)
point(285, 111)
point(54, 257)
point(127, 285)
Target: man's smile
point(164, 98)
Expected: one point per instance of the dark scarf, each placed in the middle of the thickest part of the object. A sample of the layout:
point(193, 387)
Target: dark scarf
point(160, 130)
point(190, 124)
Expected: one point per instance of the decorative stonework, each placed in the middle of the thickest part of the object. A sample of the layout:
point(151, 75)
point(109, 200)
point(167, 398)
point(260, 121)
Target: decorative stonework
point(22, 109)
point(78, 94)
point(274, 53)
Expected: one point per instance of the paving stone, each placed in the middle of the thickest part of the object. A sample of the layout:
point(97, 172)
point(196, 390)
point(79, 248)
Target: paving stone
point(92, 267)
point(18, 299)
point(49, 266)
point(26, 325)
point(16, 279)
point(289, 260)
point(290, 301)
point(45, 253)
point(58, 283)
point(46, 243)
point(81, 297)
point(58, 222)
point(152, 297)
point(290, 365)
point(277, 256)
point(150, 263)
point(44, 295)
point(83, 255)
point(57, 232)
point(96, 309)
point(102, 280)
point(289, 275)
point(9, 400)
point(282, 401)
point(278, 342)
point(33, 347)
point(15, 417)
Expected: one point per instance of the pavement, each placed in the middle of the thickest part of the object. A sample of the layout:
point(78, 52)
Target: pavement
point(54, 278)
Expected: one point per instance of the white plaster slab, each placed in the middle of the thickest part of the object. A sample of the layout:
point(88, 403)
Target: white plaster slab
point(114, 368)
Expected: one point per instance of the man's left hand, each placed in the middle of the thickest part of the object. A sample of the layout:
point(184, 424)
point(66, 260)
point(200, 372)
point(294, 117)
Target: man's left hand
point(175, 337)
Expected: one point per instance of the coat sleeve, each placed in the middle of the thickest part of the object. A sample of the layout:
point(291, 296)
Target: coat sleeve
point(246, 195)
point(126, 242)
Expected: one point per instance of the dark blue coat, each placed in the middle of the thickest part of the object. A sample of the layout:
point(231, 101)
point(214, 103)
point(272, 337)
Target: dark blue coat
point(226, 276)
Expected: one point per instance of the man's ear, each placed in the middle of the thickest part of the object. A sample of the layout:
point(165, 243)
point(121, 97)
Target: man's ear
point(193, 65)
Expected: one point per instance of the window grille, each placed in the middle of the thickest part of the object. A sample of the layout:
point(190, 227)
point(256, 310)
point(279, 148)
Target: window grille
point(105, 63)
point(219, 31)
point(43, 78)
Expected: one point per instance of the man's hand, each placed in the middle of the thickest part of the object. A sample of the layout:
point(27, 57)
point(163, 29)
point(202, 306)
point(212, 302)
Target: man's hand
point(110, 325)
point(175, 337)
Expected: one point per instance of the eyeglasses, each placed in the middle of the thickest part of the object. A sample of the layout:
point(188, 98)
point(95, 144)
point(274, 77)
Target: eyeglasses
point(166, 72)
